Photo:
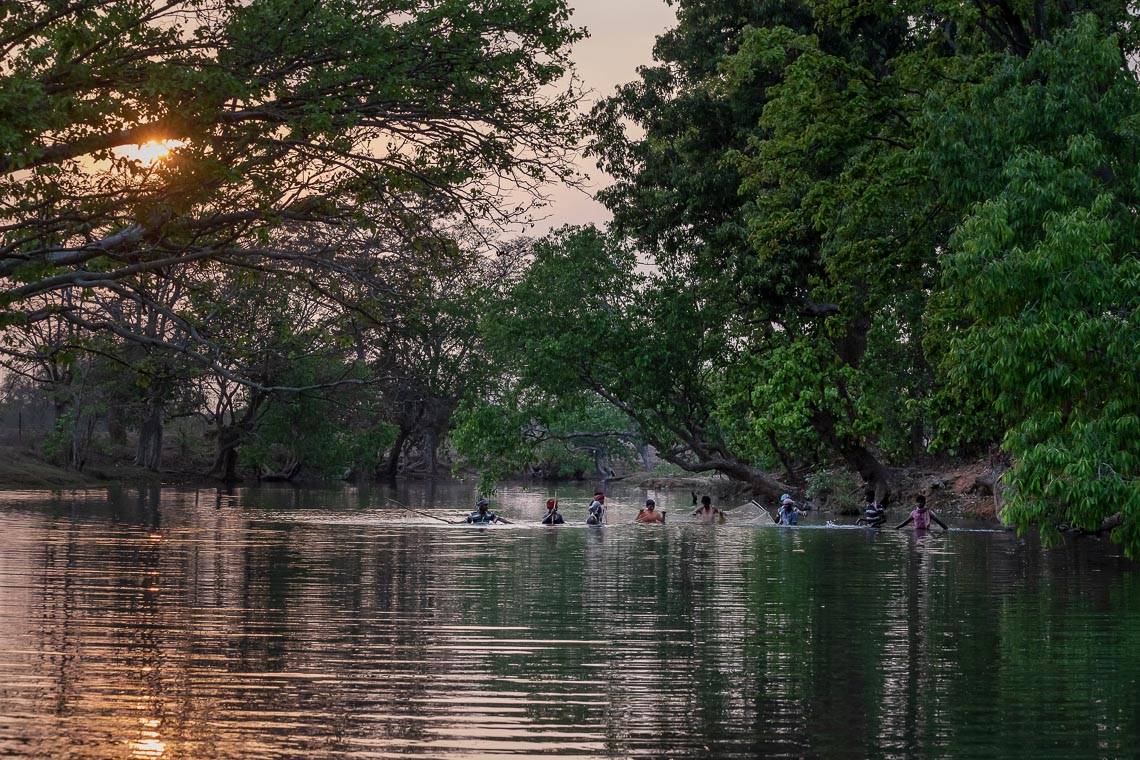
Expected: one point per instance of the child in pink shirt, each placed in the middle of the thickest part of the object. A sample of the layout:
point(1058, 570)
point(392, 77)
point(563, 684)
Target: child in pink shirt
point(921, 516)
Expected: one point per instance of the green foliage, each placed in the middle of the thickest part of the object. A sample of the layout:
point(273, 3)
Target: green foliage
point(553, 438)
point(836, 490)
point(490, 438)
point(1040, 296)
point(313, 139)
point(317, 434)
point(56, 447)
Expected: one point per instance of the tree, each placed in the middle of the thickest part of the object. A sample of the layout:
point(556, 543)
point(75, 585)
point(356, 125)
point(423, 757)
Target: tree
point(583, 318)
point(770, 180)
point(426, 355)
point(288, 122)
point(1040, 284)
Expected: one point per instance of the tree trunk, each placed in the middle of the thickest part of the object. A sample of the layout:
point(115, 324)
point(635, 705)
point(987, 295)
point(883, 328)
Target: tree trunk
point(392, 468)
point(431, 442)
point(857, 456)
point(148, 453)
point(225, 456)
point(602, 468)
point(116, 430)
point(759, 480)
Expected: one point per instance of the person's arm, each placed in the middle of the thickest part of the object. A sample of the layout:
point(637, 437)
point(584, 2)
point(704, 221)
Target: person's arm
point(905, 522)
point(934, 517)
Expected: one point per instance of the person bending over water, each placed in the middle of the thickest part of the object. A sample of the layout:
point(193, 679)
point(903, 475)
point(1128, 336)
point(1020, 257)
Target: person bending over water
point(921, 516)
point(553, 516)
point(707, 513)
point(650, 513)
point(787, 514)
point(481, 516)
point(874, 514)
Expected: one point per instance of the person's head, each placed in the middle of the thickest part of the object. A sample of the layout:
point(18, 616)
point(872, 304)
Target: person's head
point(706, 501)
point(786, 500)
point(920, 502)
point(599, 496)
point(650, 504)
point(868, 496)
point(482, 505)
point(551, 504)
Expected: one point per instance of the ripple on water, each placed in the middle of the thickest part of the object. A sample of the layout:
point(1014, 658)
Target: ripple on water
point(223, 631)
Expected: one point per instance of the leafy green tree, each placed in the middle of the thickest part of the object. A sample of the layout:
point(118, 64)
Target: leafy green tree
point(772, 181)
point(843, 222)
point(1040, 297)
point(522, 430)
point(584, 318)
point(322, 430)
point(420, 337)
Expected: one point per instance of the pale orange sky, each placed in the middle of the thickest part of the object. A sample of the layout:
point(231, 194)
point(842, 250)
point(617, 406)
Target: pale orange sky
point(621, 39)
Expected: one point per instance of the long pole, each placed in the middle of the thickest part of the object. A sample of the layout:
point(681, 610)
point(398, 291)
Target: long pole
point(406, 508)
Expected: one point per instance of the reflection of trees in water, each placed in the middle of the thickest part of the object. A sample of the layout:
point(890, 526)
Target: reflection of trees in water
point(199, 629)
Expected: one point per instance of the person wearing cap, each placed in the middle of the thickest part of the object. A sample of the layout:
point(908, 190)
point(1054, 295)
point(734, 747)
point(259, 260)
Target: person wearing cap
point(596, 514)
point(707, 513)
point(553, 516)
point(787, 514)
point(481, 516)
point(921, 516)
point(650, 514)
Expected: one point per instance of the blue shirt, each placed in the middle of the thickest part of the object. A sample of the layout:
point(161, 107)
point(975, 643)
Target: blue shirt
point(788, 516)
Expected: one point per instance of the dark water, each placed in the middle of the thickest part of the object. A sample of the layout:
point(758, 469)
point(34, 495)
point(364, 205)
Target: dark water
point(326, 624)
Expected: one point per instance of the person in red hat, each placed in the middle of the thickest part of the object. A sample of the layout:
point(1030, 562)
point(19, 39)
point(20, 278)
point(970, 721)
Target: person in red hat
point(553, 516)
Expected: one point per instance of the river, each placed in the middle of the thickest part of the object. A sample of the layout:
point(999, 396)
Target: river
point(286, 623)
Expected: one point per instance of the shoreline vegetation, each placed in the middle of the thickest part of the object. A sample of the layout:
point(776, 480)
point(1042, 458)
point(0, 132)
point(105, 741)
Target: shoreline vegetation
point(958, 488)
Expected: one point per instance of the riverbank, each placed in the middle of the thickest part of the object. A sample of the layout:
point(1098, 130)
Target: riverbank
point(955, 488)
point(21, 469)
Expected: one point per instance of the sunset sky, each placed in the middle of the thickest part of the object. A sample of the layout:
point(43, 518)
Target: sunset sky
point(621, 39)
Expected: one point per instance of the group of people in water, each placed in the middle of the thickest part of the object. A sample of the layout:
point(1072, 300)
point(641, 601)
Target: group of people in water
point(874, 513)
point(596, 512)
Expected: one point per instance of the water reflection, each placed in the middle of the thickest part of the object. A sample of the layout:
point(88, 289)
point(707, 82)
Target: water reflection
point(290, 623)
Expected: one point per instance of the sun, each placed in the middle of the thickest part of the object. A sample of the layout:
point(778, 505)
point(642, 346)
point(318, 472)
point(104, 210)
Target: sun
point(148, 153)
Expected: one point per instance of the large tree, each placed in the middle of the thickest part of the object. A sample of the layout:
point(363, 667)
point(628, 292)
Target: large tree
point(287, 121)
point(767, 180)
point(1037, 314)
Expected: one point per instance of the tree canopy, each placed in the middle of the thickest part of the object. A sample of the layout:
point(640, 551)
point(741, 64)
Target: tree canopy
point(306, 139)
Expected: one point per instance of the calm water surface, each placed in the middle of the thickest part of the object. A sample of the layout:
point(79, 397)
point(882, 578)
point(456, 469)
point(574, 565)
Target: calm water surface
point(328, 624)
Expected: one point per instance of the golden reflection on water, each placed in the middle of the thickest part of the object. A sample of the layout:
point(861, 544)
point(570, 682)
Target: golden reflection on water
point(149, 744)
